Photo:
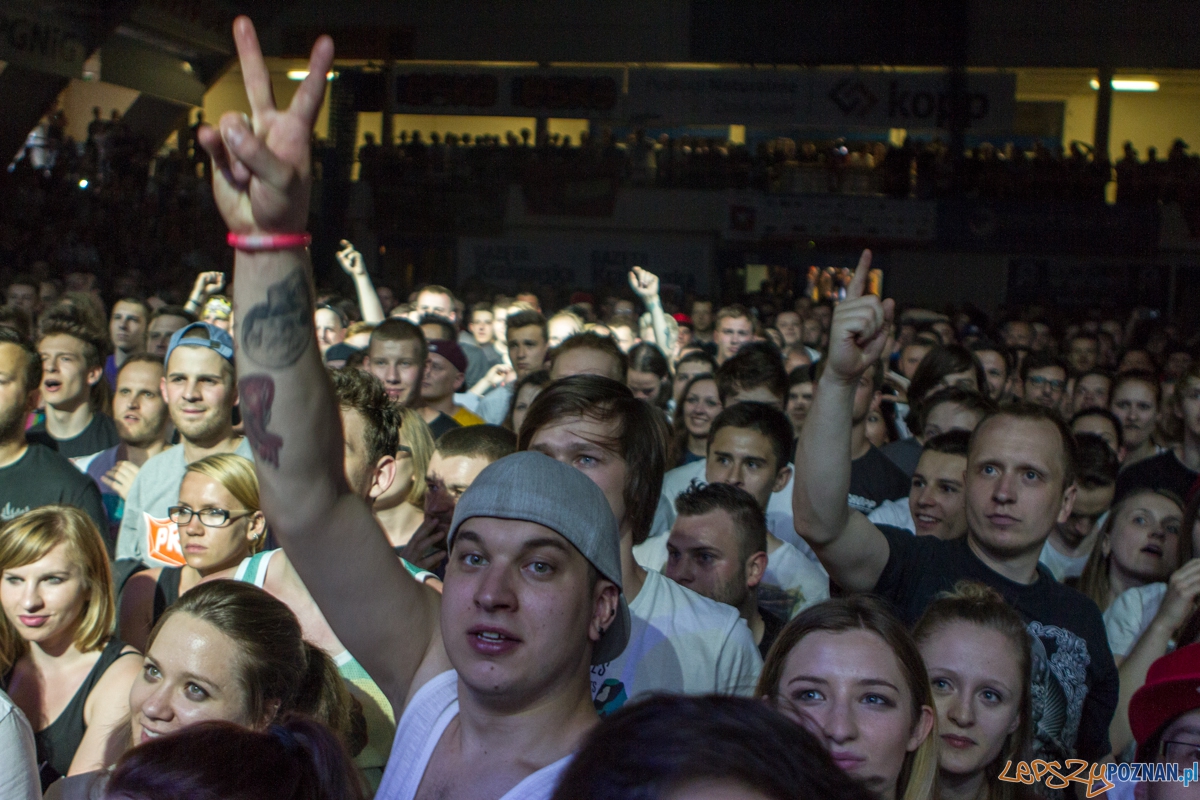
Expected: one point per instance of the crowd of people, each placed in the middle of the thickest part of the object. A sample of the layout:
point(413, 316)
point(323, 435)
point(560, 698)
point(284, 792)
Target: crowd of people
point(277, 543)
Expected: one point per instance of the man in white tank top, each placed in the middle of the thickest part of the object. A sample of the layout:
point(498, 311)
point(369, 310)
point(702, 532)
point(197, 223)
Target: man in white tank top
point(491, 677)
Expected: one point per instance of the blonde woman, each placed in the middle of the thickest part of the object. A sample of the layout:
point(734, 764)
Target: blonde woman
point(401, 509)
point(59, 660)
point(220, 525)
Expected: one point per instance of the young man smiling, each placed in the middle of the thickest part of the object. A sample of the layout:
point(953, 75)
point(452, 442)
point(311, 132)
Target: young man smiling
point(200, 393)
point(1020, 482)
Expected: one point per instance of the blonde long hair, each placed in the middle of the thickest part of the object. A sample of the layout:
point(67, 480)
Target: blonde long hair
point(29, 538)
point(416, 436)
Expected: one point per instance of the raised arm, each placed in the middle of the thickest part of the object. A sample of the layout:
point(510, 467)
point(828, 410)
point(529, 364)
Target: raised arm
point(207, 284)
point(850, 547)
point(645, 284)
point(354, 266)
point(261, 182)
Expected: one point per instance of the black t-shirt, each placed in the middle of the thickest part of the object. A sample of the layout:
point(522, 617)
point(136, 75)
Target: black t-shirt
point(1162, 471)
point(42, 477)
point(100, 434)
point(873, 479)
point(441, 424)
point(1074, 677)
point(772, 625)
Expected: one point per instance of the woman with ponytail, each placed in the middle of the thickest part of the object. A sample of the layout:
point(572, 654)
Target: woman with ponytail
point(227, 651)
point(293, 759)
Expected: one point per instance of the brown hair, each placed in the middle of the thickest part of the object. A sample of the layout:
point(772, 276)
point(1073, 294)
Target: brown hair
point(364, 393)
point(95, 350)
point(593, 341)
point(276, 664)
point(1029, 411)
point(29, 538)
point(918, 776)
point(679, 431)
point(980, 605)
point(397, 329)
point(640, 437)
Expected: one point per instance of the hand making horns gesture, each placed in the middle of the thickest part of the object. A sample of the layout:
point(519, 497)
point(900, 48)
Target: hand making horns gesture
point(860, 326)
point(262, 163)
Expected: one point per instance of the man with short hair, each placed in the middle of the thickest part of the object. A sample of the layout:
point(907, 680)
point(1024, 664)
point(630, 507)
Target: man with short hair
point(951, 408)
point(788, 324)
point(22, 293)
point(1018, 335)
point(396, 355)
point(330, 324)
point(528, 342)
point(140, 414)
point(754, 375)
point(680, 642)
point(702, 321)
point(127, 331)
point(1043, 380)
point(589, 354)
point(444, 371)
point(33, 475)
point(934, 507)
point(748, 447)
point(436, 300)
point(717, 548)
point(1171, 470)
point(72, 368)
point(532, 595)
point(163, 324)
point(1070, 545)
point(1083, 353)
point(1092, 390)
point(1020, 482)
point(478, 342)
point(198, 385)
point(437, 327)
point(911, 356)
point(734, 328)
point(799, 396)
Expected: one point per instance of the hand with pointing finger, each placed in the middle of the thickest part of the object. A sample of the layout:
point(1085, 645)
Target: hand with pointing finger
point(262, 164)
point(860, 328)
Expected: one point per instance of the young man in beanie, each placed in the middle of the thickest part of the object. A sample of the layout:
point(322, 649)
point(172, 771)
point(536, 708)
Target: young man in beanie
point(491, 679)
point(445, 368)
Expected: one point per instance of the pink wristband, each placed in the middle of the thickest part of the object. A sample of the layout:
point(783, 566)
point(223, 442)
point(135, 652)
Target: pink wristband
point(268, 241)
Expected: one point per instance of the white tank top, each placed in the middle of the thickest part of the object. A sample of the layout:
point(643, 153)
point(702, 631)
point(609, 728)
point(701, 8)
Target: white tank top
point(421, 727)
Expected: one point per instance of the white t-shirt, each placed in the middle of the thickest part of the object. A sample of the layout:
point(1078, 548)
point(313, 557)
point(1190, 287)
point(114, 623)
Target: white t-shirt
point(1060, 566)
point(18, 755)
point(896, 513)
point(779, 507)
point(420, 729)
point(680, 643)
point(789, 570)
point(1131, 614)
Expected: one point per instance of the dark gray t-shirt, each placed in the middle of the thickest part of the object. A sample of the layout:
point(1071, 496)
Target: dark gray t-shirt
point(43, 477)
point(100, 434)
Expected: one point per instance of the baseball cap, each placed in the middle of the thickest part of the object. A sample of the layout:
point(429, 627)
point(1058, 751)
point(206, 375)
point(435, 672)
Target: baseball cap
point(1172, 688)
point(202, 334)
point(450, 351)
point(682, 319)
point(535, 488)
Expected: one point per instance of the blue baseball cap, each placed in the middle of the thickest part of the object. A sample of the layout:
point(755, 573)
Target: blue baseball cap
point(202, 334)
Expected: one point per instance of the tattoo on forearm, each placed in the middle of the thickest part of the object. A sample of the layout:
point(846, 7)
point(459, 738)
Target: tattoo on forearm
point(257, 393)
point(276, 333)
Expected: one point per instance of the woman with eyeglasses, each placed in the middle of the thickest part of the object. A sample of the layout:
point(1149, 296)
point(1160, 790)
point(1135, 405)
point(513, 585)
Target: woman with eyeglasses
point(220, 525)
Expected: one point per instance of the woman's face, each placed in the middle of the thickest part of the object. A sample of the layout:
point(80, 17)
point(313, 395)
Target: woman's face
point(525, 399)
point(644, 385)
point(1144, 540)
point(189, 675)
point(1135, 405)
point(847, 688)
point(43, 600)
point(207, 548)
point(687, 371)
point(976, 680)
point(701, 407)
